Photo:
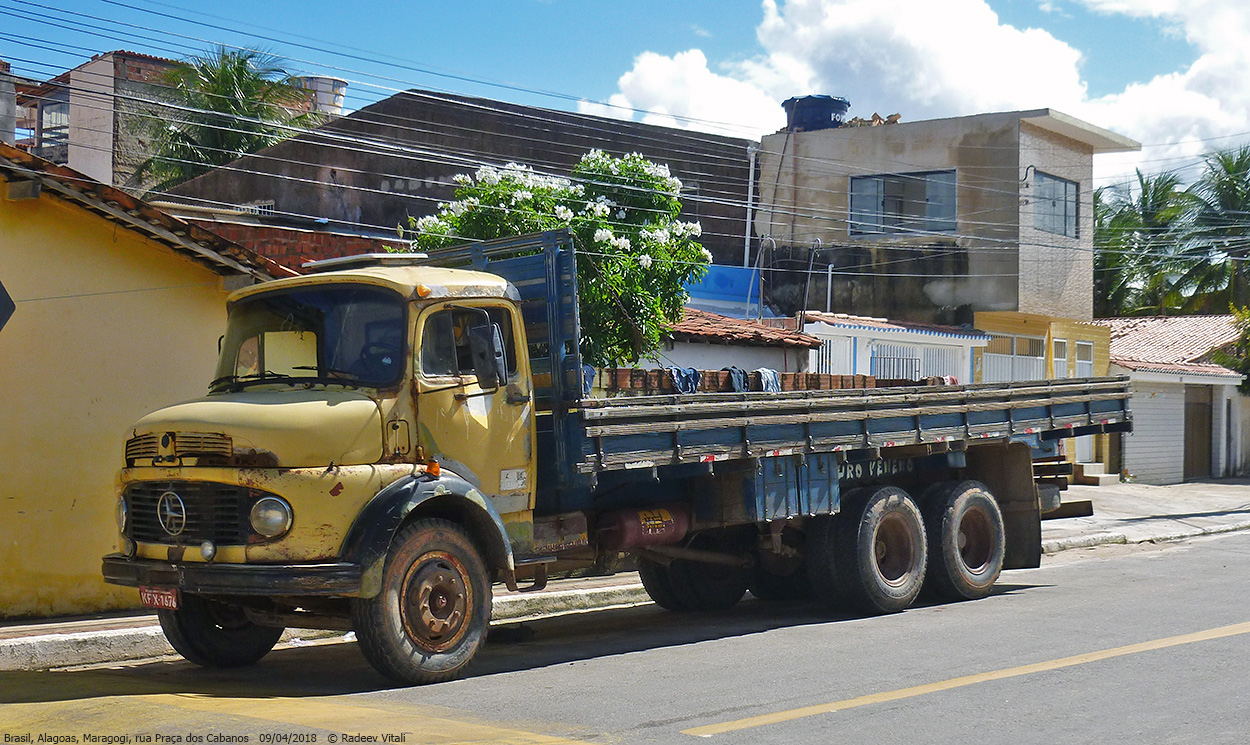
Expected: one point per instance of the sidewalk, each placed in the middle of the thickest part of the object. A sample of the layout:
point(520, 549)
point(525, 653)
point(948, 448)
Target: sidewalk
point(1123, 513)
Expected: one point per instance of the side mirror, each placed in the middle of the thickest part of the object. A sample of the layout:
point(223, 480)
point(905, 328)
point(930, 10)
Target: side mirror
point(489, 363)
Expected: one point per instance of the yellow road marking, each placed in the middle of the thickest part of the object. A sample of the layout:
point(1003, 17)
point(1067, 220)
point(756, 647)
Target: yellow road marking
point(966, 680)
point(120, 714)
point(320, 713)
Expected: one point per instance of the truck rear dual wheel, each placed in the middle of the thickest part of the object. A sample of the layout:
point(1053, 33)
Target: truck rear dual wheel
point(966, 540)
point(871, 556)
point(771, 587)
point(686, 585)
point(215, 634)
point(432, 614)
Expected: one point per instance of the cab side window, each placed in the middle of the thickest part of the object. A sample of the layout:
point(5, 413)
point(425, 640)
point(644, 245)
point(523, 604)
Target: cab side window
point(445, 347)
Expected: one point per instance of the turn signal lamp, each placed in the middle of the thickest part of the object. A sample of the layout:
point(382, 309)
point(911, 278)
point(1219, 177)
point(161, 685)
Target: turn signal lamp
point(423, 291)
point(432, 469)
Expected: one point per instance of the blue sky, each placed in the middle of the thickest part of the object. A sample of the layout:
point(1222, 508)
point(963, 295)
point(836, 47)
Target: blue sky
point(1170, 73)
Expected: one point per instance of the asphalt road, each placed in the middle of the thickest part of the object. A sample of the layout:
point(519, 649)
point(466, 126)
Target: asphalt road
point(1116, 644)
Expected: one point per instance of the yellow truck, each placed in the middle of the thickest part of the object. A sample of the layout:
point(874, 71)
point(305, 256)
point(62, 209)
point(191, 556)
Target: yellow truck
point(390, 435)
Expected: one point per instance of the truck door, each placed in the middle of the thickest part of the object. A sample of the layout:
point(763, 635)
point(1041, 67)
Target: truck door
point(484, 435)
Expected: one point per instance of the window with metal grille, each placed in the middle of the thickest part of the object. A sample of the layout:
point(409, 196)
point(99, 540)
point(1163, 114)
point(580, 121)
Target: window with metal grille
point(1009, 358)
point(1084, 359)
point(1060, 358)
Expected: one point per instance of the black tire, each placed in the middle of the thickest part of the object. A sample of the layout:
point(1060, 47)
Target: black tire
point(658, 583)
point(686, 585)
point(214, 634)
point(872, 556)
point(433, 612)
point(966, 540)
point(701, 586)
point(780, 587)
point(822, 576)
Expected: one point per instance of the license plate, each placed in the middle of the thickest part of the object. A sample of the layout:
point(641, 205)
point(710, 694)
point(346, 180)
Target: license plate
point(165, 598)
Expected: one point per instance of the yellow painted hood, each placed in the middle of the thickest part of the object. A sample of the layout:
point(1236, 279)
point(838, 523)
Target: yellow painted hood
point(302, 428)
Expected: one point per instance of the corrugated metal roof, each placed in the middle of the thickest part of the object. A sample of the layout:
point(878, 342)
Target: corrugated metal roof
point(701, 326)
point(207, 248)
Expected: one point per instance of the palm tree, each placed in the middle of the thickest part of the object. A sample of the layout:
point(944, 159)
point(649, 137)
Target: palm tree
point(220, 107)
point(1139, 267)
point(1220, 234)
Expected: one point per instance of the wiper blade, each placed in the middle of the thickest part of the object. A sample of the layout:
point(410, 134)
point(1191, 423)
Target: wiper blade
point(330, 372)
point(222, 379)
point(263, 376)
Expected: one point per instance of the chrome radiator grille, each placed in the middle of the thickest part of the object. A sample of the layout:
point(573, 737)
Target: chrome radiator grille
point(188, 512)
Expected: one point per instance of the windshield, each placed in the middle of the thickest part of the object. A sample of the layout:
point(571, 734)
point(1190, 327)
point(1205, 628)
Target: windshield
point(341, 334)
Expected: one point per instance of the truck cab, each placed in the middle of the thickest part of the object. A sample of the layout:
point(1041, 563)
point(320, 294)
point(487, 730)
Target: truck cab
point(346, 403)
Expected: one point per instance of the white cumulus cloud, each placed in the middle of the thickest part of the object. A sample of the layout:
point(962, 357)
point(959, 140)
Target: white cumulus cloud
point(927, 59)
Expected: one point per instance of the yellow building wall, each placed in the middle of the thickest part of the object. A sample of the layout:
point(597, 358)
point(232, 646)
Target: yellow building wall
point(1025, 324)
point(109, 326)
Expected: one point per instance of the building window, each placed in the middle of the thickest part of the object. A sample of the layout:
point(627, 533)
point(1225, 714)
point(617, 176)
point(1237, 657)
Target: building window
point(1060, 358)
point(54, 127)
point(1084, 359)
point(903, 203)
point(1009, 358)
point(1054, 204)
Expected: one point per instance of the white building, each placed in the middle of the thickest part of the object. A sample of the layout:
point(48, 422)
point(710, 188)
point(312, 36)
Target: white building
point(1187, 413)
point(859, 345)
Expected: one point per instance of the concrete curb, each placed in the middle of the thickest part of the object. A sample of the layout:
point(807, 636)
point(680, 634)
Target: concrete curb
point(47, 651)
point(1082, 541)
point(1108, 537)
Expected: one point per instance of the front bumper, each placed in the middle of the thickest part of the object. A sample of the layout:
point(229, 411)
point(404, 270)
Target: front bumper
point(333, 578)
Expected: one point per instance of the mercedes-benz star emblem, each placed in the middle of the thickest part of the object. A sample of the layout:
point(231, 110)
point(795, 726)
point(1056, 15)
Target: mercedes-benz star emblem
point(172, 513)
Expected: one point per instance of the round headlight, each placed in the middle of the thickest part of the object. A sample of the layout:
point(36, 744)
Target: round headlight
point(271, 517)
point(121, 514)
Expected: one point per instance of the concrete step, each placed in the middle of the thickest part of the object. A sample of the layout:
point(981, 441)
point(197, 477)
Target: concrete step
point(1096, 479)
point(1090, 469)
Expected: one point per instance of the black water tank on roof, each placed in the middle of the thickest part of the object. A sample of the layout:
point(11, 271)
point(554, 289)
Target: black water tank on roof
point(807, 113)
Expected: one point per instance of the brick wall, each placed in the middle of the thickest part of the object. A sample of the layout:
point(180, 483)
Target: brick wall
point(291, 247)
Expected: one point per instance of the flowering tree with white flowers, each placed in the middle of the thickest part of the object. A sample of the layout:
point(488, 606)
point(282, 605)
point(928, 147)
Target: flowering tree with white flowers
point(634, 253)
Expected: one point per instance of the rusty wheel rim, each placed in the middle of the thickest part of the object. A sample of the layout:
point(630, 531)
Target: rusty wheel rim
point(436, 602)
point(975, 539)
point(894, 550)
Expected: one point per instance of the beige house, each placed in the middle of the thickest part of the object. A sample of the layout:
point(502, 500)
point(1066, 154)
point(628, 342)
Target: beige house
point(118, 309)
point(935, 221)
point(981, 222)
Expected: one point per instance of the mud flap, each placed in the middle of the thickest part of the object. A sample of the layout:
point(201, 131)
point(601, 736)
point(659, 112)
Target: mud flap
point(1007, 469)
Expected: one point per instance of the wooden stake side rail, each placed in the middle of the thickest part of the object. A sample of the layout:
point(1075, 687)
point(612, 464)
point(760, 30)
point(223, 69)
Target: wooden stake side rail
point(700, 403)
point(625, 433)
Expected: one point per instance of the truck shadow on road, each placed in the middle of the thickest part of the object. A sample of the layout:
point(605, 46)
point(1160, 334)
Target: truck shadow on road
point(338, 668)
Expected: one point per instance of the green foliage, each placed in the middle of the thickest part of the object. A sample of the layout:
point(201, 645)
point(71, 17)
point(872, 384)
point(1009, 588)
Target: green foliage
point(634, 254)
point(1220, 234)
point(1140, 264)
point(223, 105)
point(1238, 357)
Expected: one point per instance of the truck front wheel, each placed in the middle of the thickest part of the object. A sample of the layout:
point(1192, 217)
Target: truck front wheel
point(215, 634)
point(966, 540)
point(434, 609)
